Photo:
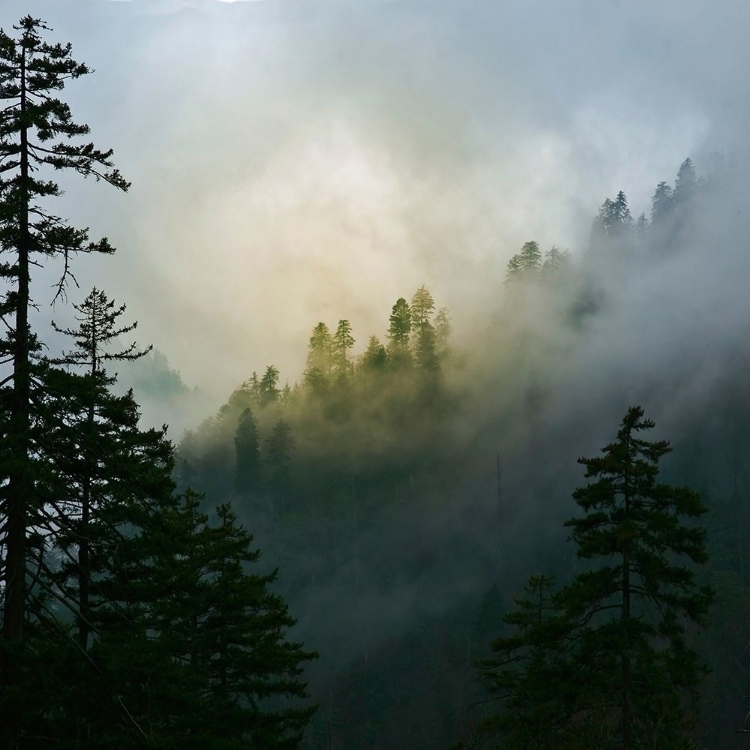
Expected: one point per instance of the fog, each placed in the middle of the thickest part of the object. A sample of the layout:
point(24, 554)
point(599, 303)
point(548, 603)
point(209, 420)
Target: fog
point(302, 161)
point(299, 161)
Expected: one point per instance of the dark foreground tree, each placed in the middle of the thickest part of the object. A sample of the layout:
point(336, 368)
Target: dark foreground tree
point(36, 130)
point(637, 603)
point(100, 419)
point(202, 658)
point(611, 664)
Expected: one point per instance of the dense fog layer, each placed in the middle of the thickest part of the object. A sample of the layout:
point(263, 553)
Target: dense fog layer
point(301, 161)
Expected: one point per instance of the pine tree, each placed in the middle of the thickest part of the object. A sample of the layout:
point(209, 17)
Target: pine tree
point(605, 661)
point(686, 184)
point(243, 647)
point(286, 395)
point(319, 360)
point(623, 219)
point(253, 388)
point(209, 662)
point(248, 467)
point(268, 391)
point(527, 671)
point(614, 222)
point(375, 356)
point(443, 331)
point(526, 264)
point(662, 204)
point(97, 330)
point(399, 332)
point(641, 227)
point(37, 135)
point(636, 604)
point(341, 345)
point(422, 307)
point(99, 476)
point(556, 262)
point(425, 350)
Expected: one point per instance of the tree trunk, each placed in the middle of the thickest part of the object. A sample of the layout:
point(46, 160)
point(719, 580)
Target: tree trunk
point(19, 480)
point(627, 711)
point(84, 564)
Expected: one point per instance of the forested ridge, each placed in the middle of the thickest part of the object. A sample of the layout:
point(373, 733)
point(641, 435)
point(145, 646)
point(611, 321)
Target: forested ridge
point(440, 567)
point(420, 489)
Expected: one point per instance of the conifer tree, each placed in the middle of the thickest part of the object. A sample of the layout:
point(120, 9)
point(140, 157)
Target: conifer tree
point(375, 356)
point(248, 474)
point(641, 227)
point(686, 184)
point(341, 345)
point(242, 644)
point(526, 264)
point(37, 136)
point(637, 603)
point(97, 329)
point(605, 661)
point(268, 387)
point(622, 218)
point(422, 307)
point(614, 222)
point(443, 331)
point(555, 263)
point(253, 388)
point(209, 662)
point(662, 204)
point(285, 397)
point(399, 330)
point(319, 358)
point(425, 349)
point(526, 670)
point(423, 335)
point(98, 476)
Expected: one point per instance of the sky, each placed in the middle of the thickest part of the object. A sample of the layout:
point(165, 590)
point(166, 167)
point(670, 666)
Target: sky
point(303, 160)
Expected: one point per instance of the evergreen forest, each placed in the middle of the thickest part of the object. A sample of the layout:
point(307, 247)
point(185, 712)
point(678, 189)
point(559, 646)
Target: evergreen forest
point(522, 528)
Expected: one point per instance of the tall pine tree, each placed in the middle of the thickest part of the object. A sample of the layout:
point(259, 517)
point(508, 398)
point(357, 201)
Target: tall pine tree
point(37, 136)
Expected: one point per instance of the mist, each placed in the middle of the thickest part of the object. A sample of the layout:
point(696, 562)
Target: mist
point(296, 162)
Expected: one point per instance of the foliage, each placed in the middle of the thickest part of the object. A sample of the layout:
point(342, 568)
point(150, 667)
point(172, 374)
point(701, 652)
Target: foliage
point(37, 136)
point(619, 626)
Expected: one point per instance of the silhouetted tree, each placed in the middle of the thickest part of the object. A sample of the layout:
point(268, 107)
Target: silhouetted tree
point(527, 671)
point(208, 660)
point(621, 625)
point(37, 132)
point(98, 328)
point(633, 608)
